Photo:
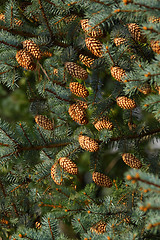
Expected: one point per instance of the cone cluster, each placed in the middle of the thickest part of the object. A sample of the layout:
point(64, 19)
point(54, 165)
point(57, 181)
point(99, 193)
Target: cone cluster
point(94, 45)
point(99, 227)
point(118, 73)
point(125, 103)
point(135, 31)
point(54, 175)
point(25, 60)
point(88, 143)
point(101, 179)
point(103, 123)
point(155, 45)
point(78, 113)
point(32, 48)
point(119, 41)
point(131, 160)
point(145, 88)
point(76, 71)
point(78, 89)
point(44, 122)
point(68, 165)
point(96, 32)
point(87, 61)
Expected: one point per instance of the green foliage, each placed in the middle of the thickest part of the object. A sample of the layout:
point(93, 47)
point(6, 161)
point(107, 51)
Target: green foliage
point(39, 199)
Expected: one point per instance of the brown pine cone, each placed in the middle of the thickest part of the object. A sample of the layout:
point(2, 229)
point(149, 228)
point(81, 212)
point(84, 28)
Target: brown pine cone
point(125, 103)
point(78, 89)
point(103, 123)
point(32, 48)
point(88, 144)
point(94, 45)
point(2, 17)
point(82, 104)
point(135, 31)
point(25, 60)
point(56, 178)
point(99, 227)
point(118, 73)
point(131, 160)
point(68, 165)
point(44, 122)
point(76, 71)
point(87, 61)
point(154, 19)
point(119, 41)
point(155, 45)
point(145, 88)
point(131, 126)
point(96, 32)
point(101, 179)
point(78, 114)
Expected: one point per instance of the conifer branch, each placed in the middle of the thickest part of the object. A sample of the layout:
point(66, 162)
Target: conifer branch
point(50, 228)
point(62, 99)
point(25, 134)
point(45, 18)
point(143, 5)
point(3, 189)
point(11, 45)
point(152, 132)
point(18, 32)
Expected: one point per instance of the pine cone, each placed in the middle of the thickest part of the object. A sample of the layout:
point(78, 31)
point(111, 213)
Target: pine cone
point(88, 144)
point(101, 179)
point(125, 103)
point(2, 17)
point(154, 19)
point(155, 45)
point(32, 48)
point(119, 41)
point(25, 60)
point(135, 31)
point(76, 71)
point(94, 45)
point(86, 60)
point(99, 227)
point(118, 73)
point(131, 126)
point(57, 179)
point(78, 114)
point(44, 122)
point(68, 165)
point(78, 89)
point(103, 123)
point(82, 104)
point(96, 32)
point(131, 160)
point(145, 88)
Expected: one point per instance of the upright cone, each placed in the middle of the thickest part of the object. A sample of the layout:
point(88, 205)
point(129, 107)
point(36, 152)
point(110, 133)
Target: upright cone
point(78, 113)
point(118, 73)
point(78, 89)
point(96, 32)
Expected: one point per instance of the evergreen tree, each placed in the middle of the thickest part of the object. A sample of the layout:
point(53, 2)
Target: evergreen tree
point(90, 71)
